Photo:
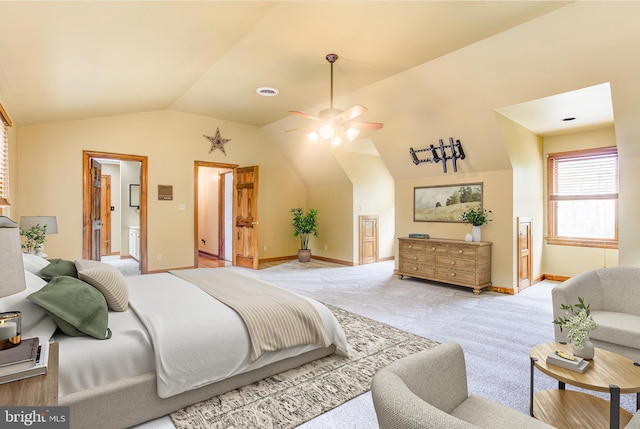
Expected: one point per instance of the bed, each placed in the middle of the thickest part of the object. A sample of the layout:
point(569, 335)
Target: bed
point(140, 370)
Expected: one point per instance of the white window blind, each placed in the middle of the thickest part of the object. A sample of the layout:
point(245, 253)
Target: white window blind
point(5, 123)
point(583, 196)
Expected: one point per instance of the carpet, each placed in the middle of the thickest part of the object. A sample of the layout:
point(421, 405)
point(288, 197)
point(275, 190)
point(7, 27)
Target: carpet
point(293, 397)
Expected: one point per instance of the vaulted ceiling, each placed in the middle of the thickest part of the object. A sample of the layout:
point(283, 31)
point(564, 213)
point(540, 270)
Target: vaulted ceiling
point(426, 69)
point(69, 60)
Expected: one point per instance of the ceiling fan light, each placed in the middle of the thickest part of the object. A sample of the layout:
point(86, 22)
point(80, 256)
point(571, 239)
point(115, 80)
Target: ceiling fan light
point(313, 137)
point(326, 131)
point(336, 141)
point(352, 133)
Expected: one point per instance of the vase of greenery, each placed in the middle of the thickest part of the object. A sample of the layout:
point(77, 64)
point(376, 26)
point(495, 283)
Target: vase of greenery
point(304, 225)
point(34, 238)
point(579, 324)
point(476, 216)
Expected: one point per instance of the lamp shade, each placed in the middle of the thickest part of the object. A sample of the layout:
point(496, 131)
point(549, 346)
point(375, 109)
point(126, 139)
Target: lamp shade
point(28, 222)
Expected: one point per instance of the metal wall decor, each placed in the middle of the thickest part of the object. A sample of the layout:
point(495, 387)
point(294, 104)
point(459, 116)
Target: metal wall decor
point(217, 142)
point(440, 154)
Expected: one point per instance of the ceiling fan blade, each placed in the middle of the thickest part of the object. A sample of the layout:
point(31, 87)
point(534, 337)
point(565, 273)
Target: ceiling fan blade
point(304, 115)
point(351, 113)
point(301, 129)
point(365, 125)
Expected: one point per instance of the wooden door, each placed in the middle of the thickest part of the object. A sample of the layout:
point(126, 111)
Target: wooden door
point(525, 253)
point(368, 248)
point(96, 212)
point(105, 203)
point(245, 251)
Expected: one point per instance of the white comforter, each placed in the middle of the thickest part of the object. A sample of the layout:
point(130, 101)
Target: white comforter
point(197, 340)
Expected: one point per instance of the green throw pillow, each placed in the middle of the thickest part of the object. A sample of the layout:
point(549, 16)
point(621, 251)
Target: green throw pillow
point(57, 268)
point(77, 307)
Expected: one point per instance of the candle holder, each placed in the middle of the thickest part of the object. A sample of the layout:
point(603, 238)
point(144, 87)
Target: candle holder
point(10, 329)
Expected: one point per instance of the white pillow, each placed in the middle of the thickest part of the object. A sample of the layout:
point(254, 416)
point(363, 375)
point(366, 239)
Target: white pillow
point(107, 279)
point(33, 263)
point(35, 320)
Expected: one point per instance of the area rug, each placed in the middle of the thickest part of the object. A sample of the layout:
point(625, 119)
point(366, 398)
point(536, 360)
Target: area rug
point(293, 397)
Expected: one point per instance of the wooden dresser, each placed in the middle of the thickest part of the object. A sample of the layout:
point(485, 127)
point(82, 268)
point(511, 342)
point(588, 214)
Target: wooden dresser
point(457, 262)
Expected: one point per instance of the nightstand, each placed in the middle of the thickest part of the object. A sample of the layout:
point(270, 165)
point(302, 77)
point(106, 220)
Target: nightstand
point(40, 390)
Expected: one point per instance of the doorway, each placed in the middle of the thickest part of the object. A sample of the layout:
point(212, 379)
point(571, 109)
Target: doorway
point(92, 216)
point(214, 184)
point(226, 213)
point(525, 254)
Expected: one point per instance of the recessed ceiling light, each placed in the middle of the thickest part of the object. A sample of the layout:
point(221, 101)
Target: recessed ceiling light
point(568, 119)
point(266, 91)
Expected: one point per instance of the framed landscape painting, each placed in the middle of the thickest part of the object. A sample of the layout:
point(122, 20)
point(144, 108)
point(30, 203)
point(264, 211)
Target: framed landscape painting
point(445, 203)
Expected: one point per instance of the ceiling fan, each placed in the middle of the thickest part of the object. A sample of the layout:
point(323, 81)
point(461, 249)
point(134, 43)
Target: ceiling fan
point(336, 124)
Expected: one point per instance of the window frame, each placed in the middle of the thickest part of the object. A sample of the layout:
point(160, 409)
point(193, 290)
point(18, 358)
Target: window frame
point(5, 123)
point(552, 237)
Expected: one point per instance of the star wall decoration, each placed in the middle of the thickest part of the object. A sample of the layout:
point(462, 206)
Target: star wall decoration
point(217, 142)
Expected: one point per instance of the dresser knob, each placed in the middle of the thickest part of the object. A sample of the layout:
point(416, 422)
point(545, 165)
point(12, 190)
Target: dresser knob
point(410, 246)
point(453, 274)
point(415, 268)
point(460, 251)
point(415, 257)
point(453, 262)
point(433, 249)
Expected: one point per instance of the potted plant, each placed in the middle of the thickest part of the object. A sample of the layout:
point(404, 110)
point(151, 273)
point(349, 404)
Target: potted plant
point(476, 216)
point(304, 224)
point(579, 324)
point(34, 238)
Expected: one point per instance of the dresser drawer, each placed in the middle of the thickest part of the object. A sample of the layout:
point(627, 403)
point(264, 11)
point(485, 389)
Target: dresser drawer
point(417, 270)
point(462, 251)
point(417, 246)
point(416, 258)
point(453, 275)
point(456, 263)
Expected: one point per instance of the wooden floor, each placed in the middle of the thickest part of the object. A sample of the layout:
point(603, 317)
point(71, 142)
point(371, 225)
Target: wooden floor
point(205, 261)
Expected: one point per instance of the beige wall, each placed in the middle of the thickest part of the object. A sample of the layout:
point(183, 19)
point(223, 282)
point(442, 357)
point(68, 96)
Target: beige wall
point(49, 174)
point(525, 153)
point(373, 195)
point(497, 197)
point(571, 260)
point(335, 227)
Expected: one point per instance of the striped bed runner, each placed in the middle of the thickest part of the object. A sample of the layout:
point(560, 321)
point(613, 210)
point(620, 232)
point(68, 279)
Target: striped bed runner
point(275, 318)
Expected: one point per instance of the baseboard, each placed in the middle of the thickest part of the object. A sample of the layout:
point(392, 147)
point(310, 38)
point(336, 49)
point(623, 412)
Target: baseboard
point(556, 278)
point(334, 261)
point(278, 259)
point(503, 290)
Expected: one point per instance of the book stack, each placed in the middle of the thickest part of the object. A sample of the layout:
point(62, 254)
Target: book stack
point(565, 360)
point(26, 360)
point(417, 235)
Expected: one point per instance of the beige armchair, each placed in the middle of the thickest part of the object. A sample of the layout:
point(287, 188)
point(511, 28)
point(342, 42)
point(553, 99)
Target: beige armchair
point(429, 390)
point(613, 295)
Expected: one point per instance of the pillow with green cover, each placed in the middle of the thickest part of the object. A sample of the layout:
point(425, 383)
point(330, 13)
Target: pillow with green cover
point(77, 307)
point(57, 268)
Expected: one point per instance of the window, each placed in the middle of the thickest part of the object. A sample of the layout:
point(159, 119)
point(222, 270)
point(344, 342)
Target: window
point(5, 123)
point(583, 198)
